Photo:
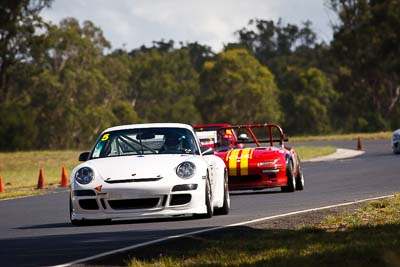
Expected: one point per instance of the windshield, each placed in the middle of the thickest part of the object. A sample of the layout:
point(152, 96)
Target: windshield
point(145, 141)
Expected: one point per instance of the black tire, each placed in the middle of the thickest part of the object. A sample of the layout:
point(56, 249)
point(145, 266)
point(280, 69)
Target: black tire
point(210, 208)
point(300, 180)
point(227, 202)
point(291, 185)
point(396, 149)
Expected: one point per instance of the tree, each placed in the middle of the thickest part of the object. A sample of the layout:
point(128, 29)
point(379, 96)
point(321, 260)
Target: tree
point(307, 99)
point(18, 129)
point(237, 89)
point(164, 86)
point(270, 39)
point(19, 21)
point(366, 47)
point(73, 91)
point(198, 54)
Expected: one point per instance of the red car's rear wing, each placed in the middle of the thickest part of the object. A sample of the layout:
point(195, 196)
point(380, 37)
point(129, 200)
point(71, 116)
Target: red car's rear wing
point(271, 139)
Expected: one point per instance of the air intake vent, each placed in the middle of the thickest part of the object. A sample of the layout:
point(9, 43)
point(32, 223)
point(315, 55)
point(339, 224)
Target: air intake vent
point(127, 204)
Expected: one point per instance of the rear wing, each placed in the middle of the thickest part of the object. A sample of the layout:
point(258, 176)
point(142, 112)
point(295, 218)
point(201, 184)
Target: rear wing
point(273, 134)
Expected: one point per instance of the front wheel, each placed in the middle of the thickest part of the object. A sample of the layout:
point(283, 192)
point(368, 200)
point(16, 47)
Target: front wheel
point(291, 185)
point(209, 206)
point(396, 148)
point(227, 201)
point(300, 180)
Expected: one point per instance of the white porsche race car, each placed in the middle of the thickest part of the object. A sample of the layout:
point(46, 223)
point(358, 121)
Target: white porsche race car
point(147, 171)
point(396, 141)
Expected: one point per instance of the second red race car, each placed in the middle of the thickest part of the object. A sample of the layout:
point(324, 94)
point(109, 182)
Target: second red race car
point(209, 136)
point(265, 162)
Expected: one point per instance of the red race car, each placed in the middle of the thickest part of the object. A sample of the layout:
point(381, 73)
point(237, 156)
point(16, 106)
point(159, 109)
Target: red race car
point(209, 136)
point(265, 162)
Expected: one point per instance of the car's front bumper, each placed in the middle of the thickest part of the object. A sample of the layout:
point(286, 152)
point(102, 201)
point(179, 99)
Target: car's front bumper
point(137, 200)
point(259, 178)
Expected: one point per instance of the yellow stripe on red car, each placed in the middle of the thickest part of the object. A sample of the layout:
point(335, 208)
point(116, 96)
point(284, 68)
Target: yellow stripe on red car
point(228, 155)
point(233, 162)
point(251, 153)
point(244, 162)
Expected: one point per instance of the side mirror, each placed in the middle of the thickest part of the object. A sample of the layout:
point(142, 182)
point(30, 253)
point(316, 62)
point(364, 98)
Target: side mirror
point(84, 156)
point(206, 150)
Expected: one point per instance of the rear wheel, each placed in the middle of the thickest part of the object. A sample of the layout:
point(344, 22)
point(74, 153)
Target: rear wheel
point(227, 202)
point(291, 185)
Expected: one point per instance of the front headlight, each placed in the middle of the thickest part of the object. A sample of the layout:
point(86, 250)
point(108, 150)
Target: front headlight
point(186, 170)
point(84, 175)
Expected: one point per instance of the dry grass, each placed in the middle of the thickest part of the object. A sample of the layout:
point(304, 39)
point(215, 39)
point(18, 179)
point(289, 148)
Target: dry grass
point(20, 170)
point(353, 136)
point(309, 152)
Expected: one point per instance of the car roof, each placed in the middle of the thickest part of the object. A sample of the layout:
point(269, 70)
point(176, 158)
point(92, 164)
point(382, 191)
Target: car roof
point(148, 125)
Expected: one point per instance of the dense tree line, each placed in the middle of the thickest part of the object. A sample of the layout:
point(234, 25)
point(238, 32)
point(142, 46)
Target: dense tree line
point(60, 85)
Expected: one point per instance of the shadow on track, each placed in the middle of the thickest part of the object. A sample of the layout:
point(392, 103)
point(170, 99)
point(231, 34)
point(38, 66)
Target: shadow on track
point(114, 222)
point(47, 250)
point(254, 192)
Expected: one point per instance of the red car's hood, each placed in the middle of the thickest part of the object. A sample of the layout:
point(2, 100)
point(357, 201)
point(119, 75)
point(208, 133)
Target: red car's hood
point(252, 153)
point(240, 160)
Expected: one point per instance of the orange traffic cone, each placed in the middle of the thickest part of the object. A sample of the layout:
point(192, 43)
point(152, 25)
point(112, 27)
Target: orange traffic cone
point(40, 184)
point(359, 146)
point(1, 185)
point(64, 178)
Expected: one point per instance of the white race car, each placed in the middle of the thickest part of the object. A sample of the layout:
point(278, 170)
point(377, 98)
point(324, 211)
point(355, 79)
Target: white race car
point(147, 171)
point(396, 142)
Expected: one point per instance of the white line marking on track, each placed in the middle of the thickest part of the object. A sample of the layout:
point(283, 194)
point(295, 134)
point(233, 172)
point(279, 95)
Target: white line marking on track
point(214, 229)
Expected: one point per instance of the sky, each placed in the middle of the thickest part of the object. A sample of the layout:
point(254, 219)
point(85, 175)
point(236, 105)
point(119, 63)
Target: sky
point(130, 24)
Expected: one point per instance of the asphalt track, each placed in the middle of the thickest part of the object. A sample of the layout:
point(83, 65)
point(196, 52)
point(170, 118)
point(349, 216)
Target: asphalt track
point(35, 231)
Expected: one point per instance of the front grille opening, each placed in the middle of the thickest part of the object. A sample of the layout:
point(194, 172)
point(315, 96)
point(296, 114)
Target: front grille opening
point(126, 204)
point(84, 193)
point(243, 179)
point(88, 204)
point(180, 199)
point(271, 175)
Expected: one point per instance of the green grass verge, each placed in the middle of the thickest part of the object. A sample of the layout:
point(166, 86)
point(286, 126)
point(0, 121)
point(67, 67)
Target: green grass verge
point(368, 237)
point(309, 152)
point(20, 170)
point(353, 136)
